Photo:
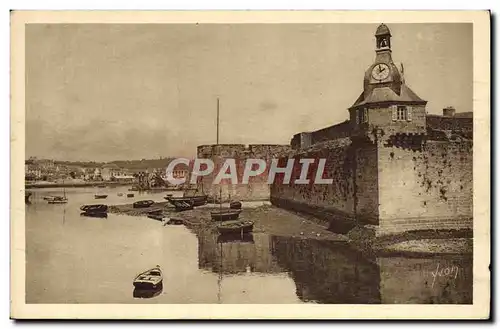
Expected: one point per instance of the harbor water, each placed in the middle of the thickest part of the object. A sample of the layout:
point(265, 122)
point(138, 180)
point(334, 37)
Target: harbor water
point(76, 259)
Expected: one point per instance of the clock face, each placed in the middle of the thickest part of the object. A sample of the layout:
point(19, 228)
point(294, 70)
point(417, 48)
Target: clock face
point(380, 72)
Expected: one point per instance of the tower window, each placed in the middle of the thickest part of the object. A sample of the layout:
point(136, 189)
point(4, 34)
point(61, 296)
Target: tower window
point(401, 113)
point(362, 116)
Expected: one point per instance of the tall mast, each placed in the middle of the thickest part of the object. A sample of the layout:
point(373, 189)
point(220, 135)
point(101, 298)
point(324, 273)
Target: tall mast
point(217, 121)
point(220, 187)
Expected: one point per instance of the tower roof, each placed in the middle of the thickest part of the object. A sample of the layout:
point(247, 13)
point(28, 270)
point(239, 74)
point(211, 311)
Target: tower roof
point(382, 29)
point(387, 95)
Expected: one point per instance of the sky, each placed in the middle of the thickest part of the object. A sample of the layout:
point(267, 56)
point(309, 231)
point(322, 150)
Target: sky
point(103, 92)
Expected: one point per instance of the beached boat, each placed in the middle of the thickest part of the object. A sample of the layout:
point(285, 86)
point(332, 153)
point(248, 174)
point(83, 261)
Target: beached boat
point(225, 214)
point(182, 205)
point(154, 216)
point(143, 204)
point(150, 279)
point(235, 227)
point(100, 196)
point(174, 221)
point(196, 201)
point(94, 208)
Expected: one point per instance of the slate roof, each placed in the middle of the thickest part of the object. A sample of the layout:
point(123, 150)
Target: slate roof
point(386, 94)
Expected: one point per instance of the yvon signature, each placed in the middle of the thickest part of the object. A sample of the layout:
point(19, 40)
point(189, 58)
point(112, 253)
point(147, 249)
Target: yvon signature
point(450, 272)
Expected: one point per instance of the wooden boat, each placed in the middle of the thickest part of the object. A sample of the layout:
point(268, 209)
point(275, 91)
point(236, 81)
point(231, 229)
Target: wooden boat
point(101, 186)
point(235, 205)
point(147, 293)
point(58, 200)
point(159, 217)
point(100, 196)
point(225, 214)
point(130, 195)
point(120, 194)
point(174, 221)
point(95, 214)
point(182, 205)
point(155, 212)
point(27, 196)
point(143, 204)
point(235, 227)
point(94, 208)
point(196, 201)
point(150, 279)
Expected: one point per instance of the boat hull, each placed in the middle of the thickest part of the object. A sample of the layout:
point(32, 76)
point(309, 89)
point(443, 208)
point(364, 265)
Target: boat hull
point(225, 215)
point(236, 227)
point(196, 201)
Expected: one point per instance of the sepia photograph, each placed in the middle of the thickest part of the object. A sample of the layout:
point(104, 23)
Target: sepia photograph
point(300, 164)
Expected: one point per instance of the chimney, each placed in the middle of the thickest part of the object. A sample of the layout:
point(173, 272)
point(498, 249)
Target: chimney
point(449, 111)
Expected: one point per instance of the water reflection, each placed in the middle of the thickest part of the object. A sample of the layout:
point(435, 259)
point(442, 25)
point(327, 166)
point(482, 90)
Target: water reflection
point(147, 293)
point(235, 254)
point(66, 256)
point(326, 272)
point(331, 272)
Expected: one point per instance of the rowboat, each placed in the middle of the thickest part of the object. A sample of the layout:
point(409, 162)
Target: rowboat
point(235, 227)
point(94, 208)
point(146, 293)
point(27, 196)
point(225, 214)
point(196, 201)
point(95, 214)
point(174, 221)
point(100, 196)
point(235, 205)
point(58, 200)
point(143, 204)
point(120, 194)
point(130, 195)
point(150, 279)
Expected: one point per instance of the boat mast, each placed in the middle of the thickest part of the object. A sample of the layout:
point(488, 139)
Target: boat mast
point(220, 187)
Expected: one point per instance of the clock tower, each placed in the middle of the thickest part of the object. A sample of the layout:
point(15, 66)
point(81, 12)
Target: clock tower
point(386, 104)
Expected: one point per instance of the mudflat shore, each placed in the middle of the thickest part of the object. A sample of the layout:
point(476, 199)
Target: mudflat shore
point(279, 222)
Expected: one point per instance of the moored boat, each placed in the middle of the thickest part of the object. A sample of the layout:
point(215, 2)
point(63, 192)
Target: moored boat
point(94, 208)
point(225, 214)
point(143, 204)
point(150, 279)
point(235, 205)
point(235, 227)
point(27, 196)
point(58, 200)
point(120, 194)
point(100, 196)
point(130, 195)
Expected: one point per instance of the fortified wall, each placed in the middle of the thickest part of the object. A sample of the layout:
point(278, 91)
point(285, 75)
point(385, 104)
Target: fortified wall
point(393, 166)
point(257, 188)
